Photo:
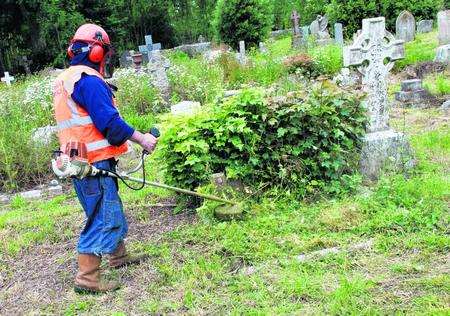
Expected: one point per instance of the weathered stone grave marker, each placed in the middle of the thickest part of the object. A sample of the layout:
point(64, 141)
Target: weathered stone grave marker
point(201, 39)
point(158, 66)
point(295, 20)
point(7, 78)
point(444, 27)
point(412, 93)
point(319, 29)
point(125, 59)
point(374, 52)
point(149, 46)
point(241, 55)
point(405, 26)
point(338, 34)
point(263, 48)
point(25, 62)
point(424, 26)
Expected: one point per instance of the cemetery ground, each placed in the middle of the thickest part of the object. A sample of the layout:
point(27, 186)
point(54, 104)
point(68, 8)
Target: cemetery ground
point(388, 242)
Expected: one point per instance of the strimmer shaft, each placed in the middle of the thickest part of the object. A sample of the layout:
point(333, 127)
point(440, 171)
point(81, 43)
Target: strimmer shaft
point(179, 190)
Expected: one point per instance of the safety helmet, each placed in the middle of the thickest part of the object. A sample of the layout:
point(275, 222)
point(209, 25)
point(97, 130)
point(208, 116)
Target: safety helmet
point(99, 45)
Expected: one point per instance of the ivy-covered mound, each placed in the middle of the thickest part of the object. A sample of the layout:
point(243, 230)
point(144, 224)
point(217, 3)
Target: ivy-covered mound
point(308, 138)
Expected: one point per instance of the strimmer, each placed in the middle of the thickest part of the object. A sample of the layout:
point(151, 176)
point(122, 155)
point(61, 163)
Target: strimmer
point(72, 163)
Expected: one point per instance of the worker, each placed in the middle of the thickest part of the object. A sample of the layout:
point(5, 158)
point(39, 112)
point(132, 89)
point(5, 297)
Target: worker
point(85, 112)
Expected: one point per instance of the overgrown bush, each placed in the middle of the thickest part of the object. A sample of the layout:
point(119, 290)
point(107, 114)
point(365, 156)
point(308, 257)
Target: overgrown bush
point(302, 142)
point(303, 64)
point(352, 12)
point(242, 20)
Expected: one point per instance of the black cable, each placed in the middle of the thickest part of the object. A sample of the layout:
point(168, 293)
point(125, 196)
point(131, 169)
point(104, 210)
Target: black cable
point(124, 181)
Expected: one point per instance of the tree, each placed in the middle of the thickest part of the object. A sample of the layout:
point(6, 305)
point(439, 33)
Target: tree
point(242, 20)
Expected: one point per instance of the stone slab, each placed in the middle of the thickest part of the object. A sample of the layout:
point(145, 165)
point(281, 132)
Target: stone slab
point(31, 195)
point(443, 54)
point(424, 26)
point(385, 150)
point(416, 97)
point(185, 107)
point(412, 85)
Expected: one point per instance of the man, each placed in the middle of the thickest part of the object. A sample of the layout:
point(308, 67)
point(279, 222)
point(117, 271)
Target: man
point(86, 113)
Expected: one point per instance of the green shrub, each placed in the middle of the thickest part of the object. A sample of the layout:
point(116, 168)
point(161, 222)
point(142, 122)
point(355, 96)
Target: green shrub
point(352, 12)
point(242, 20)
point(297, 142)
point(328, 58)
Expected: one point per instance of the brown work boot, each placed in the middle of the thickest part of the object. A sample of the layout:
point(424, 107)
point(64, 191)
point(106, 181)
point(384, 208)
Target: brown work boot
point(120, 257)
point(88, 276)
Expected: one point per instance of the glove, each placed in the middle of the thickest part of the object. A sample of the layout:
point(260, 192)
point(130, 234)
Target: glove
point(147, 141)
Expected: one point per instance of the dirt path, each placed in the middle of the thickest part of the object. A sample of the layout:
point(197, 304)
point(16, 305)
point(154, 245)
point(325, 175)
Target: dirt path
point(39, 280)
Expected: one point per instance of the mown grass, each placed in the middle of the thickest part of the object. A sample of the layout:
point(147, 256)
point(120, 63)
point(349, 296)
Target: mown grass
point(422, 49)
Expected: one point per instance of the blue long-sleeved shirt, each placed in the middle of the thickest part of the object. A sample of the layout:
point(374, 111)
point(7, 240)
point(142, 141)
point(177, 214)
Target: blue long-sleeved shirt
point(95, 97)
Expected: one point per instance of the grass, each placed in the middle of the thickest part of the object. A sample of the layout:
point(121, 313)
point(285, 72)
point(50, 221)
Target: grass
point(438, 84)
point(422, 49)
point(249, 267)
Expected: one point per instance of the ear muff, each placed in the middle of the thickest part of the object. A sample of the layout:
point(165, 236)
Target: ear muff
point(70, 52)
point(96, 53)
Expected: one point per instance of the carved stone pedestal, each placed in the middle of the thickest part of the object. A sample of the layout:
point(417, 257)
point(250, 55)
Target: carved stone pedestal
point(385, 150)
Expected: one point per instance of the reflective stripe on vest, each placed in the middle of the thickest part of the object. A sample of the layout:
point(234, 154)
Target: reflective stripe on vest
point(77, 121)
point(97, 145)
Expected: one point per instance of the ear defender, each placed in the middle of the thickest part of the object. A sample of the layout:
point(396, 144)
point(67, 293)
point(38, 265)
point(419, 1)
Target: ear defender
point(70, 52)
point(96, 53)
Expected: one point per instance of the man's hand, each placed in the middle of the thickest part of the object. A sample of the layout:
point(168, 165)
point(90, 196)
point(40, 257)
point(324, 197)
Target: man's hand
point(147, 141)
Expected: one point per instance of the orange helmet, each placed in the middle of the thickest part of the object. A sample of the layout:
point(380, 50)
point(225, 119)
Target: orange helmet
point(92, 34)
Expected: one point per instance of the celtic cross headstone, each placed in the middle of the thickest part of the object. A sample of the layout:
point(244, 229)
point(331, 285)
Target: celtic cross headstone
point(374, 51)
point(7, 78)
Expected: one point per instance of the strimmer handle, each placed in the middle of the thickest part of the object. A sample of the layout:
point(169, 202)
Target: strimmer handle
point(155, 132)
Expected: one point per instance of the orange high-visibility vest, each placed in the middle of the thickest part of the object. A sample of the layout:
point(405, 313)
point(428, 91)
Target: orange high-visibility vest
point(74, 122)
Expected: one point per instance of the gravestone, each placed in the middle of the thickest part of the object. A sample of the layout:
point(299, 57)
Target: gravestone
point(412, 93)
point(305, 35)
point(405, 26)
point(263, 48)
point(443, 54)
point(424, 26)
point(369, 53)
point(241, 55)
point(201, 39)
point(125, 60)
point(338, 34)
point(444, 27)
point(157, 67)
point(146, 50)
point(295, 20)
point(25, 62)
point(7, 78)
point(319, 30)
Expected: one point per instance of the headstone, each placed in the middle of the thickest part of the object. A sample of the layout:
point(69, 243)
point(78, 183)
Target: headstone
point(149, 46)
point(295, 19)
point(7, 78)
point(443, 54)
point(444, 27)
point(158, 66)
point(338, 34)
point(446, 107)
point(185, 107)
point(262, 48)
point(369, 52)
point(201, 39)
point(125, 60)
point(305, 34)
point(241, 55)
point(424, 26)
point(26, 64)
point(405, 26)
point(412, 93)
point(319, 30)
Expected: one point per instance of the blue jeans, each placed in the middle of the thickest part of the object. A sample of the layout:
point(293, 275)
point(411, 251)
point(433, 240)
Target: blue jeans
point(106, 224)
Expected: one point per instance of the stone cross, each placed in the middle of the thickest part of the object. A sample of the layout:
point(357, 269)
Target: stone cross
point(338, 34)
point(405, 26)
point(295, 20)
point(7, 78)
point(149, 46)
point(374, 52)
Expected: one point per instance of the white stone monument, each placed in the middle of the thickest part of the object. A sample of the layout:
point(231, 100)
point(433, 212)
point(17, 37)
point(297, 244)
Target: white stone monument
point(241, 55)
point(373, 52)
point(405, 26)
point(444, 27)
point(7, 78)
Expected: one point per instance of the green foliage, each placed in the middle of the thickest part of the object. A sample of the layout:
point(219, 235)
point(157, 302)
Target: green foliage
point(422, 49)
point(302, 141)
point(439, 84)
point(242, 20)
point(194, 79)
point(352, 12)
